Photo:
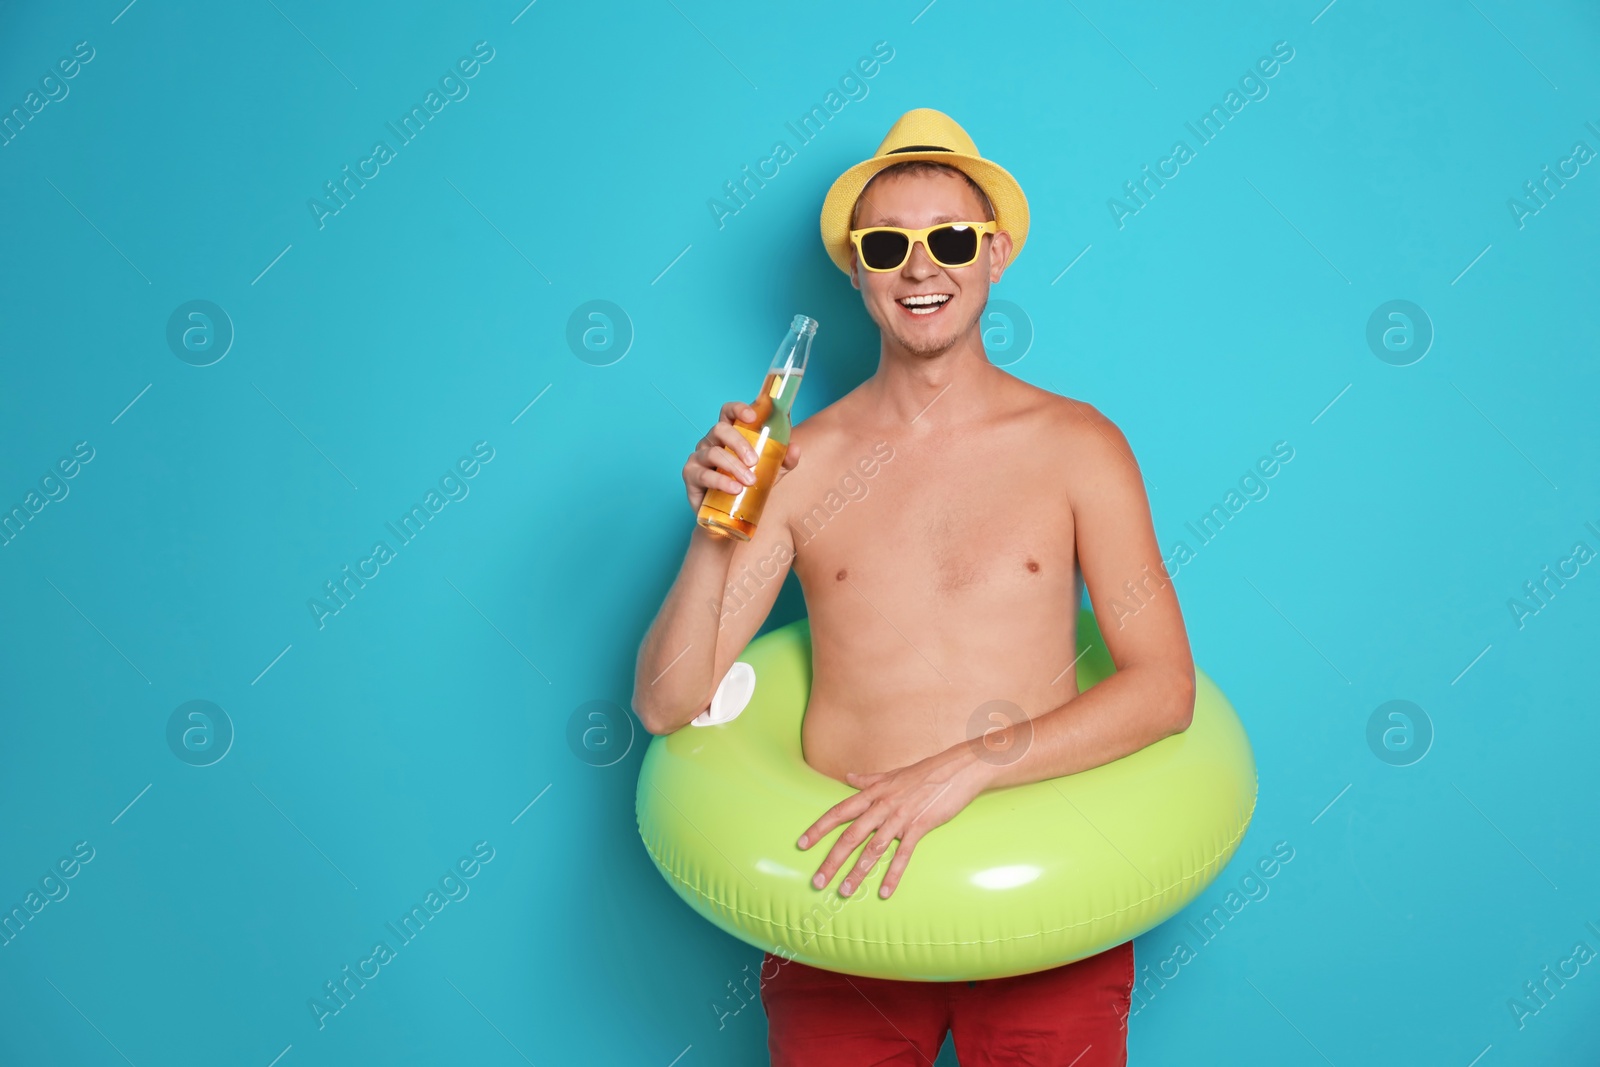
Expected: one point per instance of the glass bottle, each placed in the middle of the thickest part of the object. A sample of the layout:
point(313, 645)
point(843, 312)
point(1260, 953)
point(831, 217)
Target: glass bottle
point(736, 515)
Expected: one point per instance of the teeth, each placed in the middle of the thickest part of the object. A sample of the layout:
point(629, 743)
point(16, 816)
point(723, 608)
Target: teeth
point(936, 298)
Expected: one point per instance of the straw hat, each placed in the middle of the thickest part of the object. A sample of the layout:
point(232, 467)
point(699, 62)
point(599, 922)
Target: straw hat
point(923, 133)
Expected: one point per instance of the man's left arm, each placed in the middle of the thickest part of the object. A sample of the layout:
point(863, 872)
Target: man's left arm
point(1151, 693)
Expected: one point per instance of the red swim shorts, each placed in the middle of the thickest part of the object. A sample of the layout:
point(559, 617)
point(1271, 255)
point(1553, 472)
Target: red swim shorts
point(1075, 1015)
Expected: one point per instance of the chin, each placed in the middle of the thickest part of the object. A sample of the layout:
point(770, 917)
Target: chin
point(930, 342)
point(925, 346)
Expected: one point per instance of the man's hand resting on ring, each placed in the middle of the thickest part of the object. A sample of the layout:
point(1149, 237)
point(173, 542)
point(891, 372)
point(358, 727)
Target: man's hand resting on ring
point(904, 803)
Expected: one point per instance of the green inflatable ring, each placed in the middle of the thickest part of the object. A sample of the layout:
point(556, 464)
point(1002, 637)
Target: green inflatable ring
point(1024, 878)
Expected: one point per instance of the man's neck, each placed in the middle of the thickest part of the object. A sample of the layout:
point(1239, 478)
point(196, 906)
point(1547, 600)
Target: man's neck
point(929, 393)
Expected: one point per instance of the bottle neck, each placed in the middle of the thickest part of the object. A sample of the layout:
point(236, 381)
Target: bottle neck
point(783, 380)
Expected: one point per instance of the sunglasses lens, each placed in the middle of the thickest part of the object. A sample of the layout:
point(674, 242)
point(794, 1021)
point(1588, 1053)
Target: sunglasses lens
point(883, 250)
point(954, 246)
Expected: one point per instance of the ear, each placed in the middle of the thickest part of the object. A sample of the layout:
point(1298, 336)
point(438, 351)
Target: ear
point(855, 275)
point(999, 255)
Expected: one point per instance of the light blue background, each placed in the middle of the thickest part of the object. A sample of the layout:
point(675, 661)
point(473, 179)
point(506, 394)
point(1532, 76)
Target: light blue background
point(432, 310)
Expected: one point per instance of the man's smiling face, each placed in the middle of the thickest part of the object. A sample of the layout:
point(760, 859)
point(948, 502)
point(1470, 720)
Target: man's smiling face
point(914, 200)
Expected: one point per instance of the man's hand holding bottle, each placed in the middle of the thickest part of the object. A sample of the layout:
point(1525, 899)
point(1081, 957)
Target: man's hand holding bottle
point(747, 451)
point(725, 459)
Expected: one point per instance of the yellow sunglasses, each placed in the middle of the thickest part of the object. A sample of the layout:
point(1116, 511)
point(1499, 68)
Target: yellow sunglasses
point(950, 244)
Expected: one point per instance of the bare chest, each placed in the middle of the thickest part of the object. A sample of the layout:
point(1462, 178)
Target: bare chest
point(936, 525)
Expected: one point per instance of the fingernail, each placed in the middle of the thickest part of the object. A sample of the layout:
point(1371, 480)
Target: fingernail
point(802, 841)
point(844, 890)
point(884, 892)
point(818, 882)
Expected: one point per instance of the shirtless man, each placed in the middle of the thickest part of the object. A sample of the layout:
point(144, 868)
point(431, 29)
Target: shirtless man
point(951, 584)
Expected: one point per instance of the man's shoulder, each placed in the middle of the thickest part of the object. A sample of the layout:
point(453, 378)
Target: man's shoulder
point(1089, 441)
point(1074, 419)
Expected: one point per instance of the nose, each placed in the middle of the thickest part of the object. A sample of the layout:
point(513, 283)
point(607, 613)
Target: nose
point(919, 264)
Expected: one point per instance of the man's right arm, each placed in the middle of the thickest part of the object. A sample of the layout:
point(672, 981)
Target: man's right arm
point(709, 617)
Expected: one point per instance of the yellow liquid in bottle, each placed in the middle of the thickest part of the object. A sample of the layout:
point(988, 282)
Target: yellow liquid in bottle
point(737, 515)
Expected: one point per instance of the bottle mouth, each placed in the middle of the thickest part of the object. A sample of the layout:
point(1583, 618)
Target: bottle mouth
point(805, 324)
